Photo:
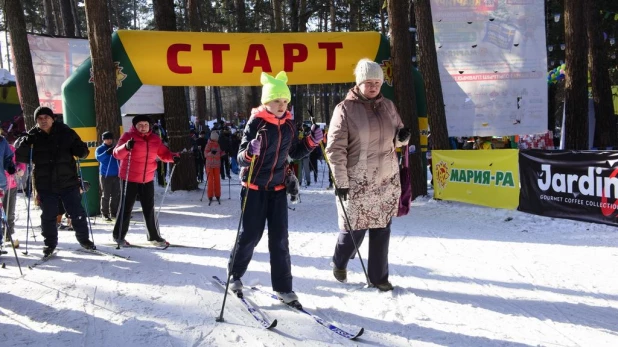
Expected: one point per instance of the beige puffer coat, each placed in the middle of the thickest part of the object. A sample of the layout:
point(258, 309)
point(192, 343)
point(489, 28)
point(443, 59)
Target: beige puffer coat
point(361, 148)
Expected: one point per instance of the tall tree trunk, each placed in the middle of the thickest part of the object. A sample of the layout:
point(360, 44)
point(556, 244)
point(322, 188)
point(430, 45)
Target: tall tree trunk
point(68, 22)
point(24, 73)
point(383, 19)
point(403, 84)
point(333, 15)
point(50, 24)
point(253, 93)
point(605, 129)
point(295, 90)
point(277, 7)
point(301, 89)
point(57, 16)
point(354, 15)
point(199, 92)
point(412, 19)
point(135, 15)
point(335, 89)
point(293, 4)
point(103, 69)
point(428, 63)
point(117, 14)
point(218, 103)
point(78, 26)
point(576, 86)
point(176, 117)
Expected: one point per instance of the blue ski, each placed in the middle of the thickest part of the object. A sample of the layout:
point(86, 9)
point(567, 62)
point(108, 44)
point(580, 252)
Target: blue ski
point(255, 312)
point(319, 320)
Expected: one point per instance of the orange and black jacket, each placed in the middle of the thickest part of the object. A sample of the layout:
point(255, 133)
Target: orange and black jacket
point(279, 140)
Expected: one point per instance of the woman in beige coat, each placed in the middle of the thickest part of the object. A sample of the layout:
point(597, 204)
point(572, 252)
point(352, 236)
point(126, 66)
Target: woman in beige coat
point(365, 129)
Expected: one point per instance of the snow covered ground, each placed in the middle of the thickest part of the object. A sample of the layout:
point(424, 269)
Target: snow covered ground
point(464, 275)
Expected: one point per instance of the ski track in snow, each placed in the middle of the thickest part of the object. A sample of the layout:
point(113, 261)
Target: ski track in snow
point(463, 276)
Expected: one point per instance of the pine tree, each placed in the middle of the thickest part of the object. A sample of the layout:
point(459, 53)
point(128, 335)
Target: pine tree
point(605, 128)
point(104, 72)
point(576, 86)
point(24, 72)
point(199, 92)
point(403, 85)
point(176, 115)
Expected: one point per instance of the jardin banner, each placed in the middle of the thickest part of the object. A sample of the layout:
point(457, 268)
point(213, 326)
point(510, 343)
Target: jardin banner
point(578, 185)
point(488, 178)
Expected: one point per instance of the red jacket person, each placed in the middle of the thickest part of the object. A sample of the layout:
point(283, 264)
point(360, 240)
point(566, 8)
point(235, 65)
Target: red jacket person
point(138, 150)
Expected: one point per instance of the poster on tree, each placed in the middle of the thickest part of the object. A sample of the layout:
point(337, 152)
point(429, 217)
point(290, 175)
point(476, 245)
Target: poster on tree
point(492, 61)
point(55, 58)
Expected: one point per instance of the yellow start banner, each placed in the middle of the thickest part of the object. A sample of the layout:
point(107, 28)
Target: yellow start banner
point(488, 178)
point(237, 59)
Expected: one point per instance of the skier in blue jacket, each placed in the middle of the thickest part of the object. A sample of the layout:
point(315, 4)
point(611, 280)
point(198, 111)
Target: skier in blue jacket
point(108, 177)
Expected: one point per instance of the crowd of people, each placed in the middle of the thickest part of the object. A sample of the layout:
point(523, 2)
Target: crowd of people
point(360, 148)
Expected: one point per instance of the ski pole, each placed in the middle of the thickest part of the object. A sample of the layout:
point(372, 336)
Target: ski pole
point(29, 196)
point(345, 214)
point(206, 175)
point(323, 169)
point(6, 227)
point(231, 264)
point(205, 185)
point(165, 193)
point(23, 189)
point(81, 182)
point(203, 163)
point(229, 188)
point(122, 204)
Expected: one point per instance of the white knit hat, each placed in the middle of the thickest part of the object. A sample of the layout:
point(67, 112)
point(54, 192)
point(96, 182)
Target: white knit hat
point(214, 135)
point(367, 69)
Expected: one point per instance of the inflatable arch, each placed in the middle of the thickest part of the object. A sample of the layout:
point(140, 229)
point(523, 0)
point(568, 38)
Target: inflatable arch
point(220, 59)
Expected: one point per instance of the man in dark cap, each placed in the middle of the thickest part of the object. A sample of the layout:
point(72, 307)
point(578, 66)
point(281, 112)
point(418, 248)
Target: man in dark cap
point(108, 177)
point(54, 146)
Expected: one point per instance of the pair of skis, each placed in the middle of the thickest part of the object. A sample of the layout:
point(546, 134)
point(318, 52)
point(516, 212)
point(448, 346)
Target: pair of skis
point(44, 259)
point(268, 324)
point(132, 245)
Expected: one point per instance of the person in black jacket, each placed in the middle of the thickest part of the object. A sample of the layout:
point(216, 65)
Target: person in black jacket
point(198, 153)
point(269, 137)
point(54, 147)
point(236, 137)
point(225, 142)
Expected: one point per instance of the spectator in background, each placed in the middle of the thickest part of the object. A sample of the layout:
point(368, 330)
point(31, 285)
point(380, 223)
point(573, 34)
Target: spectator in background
point(198, 153)
point(225, 142)
point(108, 177)
point(236, 137)
point(212, 153)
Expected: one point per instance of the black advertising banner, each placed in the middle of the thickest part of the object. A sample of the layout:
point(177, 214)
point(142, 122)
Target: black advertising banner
point(580, 185)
